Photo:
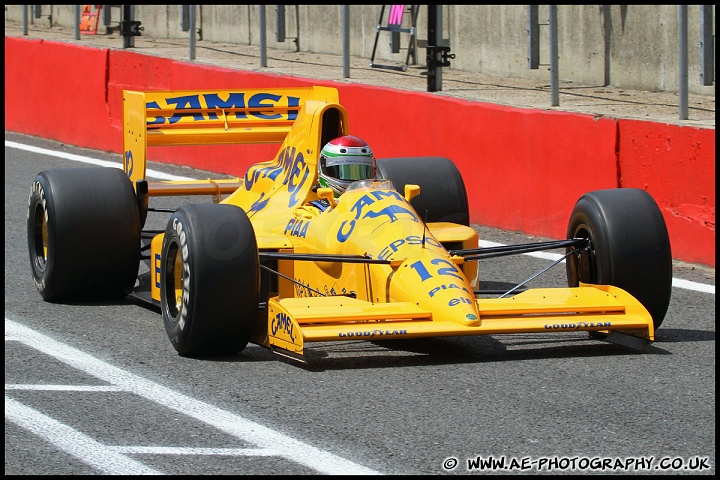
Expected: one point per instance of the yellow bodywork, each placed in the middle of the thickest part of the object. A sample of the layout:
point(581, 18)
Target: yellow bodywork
point(416, 290)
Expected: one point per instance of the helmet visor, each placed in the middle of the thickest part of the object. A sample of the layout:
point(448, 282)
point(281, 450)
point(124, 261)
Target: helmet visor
point(351, 171)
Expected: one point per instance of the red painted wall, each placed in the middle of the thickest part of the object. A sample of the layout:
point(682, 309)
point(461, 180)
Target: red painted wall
point(57, 91)
point(677, 166)
point(523, 169)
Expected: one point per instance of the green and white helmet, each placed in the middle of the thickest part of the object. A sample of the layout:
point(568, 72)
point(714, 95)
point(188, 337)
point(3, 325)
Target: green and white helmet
point(345, 160)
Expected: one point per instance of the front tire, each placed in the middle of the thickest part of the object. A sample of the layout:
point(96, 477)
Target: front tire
point(630, 246)
point(83, 232)
point(210, 279)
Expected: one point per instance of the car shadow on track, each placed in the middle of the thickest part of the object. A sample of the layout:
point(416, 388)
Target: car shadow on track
point(360, 354)
point(454, 350)
point(681, 335)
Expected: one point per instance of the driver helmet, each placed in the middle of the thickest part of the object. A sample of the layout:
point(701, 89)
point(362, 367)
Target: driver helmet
point(343, 161)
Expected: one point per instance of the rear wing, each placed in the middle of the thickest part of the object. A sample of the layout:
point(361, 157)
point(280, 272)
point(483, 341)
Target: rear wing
point(210, 117)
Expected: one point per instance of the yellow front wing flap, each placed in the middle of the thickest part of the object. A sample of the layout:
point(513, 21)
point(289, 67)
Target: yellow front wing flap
point(599, 308)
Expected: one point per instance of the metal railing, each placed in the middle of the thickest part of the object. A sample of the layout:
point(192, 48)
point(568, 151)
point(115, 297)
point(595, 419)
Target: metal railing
point(439, 58)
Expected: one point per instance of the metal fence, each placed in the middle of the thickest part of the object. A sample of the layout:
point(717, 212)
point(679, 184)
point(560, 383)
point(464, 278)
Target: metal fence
point(444, 42)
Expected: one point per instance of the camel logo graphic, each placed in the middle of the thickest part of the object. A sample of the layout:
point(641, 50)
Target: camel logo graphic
point(392, 212)
point(363, 209)
point(258, 205)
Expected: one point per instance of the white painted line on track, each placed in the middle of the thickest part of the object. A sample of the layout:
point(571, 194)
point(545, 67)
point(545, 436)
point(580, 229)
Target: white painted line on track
point(543, 255)
point(688, 285)
point(254, 433)
point(678, 283)
point(73, 442)
point(226, 452)
point(64, 388)
point(89, 161)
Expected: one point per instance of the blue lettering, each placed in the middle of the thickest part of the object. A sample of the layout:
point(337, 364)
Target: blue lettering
point(391, 211)
point(373, 333)
point(576, 326)
point(363, 202)
point(299, 167)
point(357, 208)
point(129, 165)
point(393, 247)
point(297, 228)
point(380, 194)
point(190, 106)
point(395, 244)
point(414, 240)
point(293, 102)
point(302, 232)
point(256, 102)
point(234, 102)
point(189, 102)
point(159, 120)
point(417, 240)
point(158, 263)
point(293, 167)
point(432, 292)
point(342, 236)
point(251, 177)
point(284, 323)
point(458, 301)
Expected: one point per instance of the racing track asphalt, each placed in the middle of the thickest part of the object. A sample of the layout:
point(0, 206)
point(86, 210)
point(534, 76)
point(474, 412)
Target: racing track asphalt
point(397, 407)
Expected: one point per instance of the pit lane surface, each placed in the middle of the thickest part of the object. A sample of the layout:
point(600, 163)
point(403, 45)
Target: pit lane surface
point(97, 388)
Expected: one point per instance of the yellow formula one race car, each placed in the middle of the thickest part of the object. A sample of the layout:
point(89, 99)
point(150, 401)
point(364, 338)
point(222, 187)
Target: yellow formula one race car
point(393, 257)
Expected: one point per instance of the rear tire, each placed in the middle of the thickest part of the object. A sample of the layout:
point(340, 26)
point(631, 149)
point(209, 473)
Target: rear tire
point(210, 280)
point(630, 246)
point(442, 190)
point(83, 232)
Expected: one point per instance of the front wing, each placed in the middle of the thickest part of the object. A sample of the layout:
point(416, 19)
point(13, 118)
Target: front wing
point(593, 308)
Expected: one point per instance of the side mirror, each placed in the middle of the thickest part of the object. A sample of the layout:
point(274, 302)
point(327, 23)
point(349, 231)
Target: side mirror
point(411, 191)
point(327, 194)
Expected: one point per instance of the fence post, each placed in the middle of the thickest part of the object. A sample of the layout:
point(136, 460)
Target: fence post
point(263, 34)
point(346, 40)
point(554, 75)
point(683, 61)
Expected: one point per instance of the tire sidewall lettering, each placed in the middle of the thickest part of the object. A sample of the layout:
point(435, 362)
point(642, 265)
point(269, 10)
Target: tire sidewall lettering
point(37, 196)
point(184, 251)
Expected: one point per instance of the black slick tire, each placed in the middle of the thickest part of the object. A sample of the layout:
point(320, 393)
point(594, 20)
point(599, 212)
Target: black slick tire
point(83, 233)
point(630, 246)
point(210, 280)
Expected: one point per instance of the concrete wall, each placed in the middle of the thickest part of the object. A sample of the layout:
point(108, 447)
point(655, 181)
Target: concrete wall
point(519, 174)
point(629, 46)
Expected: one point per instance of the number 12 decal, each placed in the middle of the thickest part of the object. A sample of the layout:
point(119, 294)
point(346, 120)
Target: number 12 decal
point(451, 269)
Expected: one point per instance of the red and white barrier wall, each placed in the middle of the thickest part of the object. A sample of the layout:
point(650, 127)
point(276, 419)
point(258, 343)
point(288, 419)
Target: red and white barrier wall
point(523, 169)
